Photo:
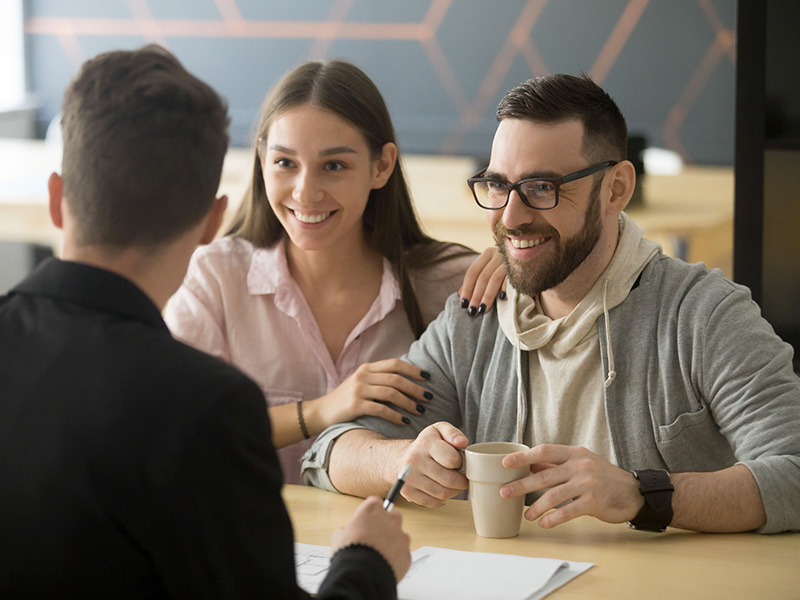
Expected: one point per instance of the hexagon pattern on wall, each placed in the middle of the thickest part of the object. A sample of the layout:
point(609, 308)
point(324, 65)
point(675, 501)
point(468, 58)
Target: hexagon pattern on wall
point(442, 64)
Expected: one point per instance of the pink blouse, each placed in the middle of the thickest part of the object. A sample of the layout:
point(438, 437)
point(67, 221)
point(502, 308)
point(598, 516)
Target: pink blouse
point(240, 303)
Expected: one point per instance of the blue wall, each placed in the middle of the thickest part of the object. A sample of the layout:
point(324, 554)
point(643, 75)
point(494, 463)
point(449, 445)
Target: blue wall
point(441, 64)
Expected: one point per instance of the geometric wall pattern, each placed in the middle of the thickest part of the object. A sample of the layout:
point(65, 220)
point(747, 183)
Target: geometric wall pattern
point(442, 65)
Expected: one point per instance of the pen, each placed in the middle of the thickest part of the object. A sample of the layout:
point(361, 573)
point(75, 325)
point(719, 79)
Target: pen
point(388, 504)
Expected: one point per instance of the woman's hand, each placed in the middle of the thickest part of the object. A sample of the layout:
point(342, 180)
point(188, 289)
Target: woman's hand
point(376, 389)
point(484, 280)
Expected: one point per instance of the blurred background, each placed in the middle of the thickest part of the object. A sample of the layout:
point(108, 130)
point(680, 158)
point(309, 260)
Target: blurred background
point(442, 65)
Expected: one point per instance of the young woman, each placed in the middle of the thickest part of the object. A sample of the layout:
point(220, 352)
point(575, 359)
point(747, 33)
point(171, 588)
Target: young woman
point(326, 276)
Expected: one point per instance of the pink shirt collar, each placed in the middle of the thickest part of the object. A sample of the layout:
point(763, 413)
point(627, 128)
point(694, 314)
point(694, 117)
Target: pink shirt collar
point(269, 274)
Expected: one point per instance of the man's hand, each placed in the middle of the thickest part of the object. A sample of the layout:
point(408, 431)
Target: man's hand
point(577, 481)
point(379, 529)
point(434, 460)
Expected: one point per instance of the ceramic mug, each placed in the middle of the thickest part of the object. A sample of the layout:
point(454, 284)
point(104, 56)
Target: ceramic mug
point(494, 516)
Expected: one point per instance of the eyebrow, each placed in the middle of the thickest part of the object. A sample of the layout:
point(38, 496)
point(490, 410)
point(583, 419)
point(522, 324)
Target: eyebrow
point(326, 152)
point(337, 150)
point(531, 175)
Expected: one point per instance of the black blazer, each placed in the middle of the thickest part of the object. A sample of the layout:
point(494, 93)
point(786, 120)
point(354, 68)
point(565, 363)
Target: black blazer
point(132, 465)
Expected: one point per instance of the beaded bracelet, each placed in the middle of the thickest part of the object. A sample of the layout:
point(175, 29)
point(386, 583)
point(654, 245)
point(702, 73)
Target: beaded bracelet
point(301, 420)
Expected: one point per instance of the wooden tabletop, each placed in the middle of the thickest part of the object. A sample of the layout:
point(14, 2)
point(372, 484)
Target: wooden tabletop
point(628, 564)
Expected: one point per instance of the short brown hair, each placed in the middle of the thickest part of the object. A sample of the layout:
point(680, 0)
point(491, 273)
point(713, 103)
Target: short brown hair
point(557, 98)
point(144, 142)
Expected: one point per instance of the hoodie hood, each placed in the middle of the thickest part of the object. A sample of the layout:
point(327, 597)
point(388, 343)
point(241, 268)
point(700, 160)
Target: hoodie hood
point(529, 329)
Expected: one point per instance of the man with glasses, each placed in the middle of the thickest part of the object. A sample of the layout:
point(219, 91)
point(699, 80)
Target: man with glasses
point(649, 390)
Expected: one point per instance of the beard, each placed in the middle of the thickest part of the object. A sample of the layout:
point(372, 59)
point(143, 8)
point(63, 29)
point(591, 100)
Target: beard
point(541, 274)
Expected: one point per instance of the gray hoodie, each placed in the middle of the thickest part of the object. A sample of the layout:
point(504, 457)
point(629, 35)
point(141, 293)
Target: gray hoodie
point(567, 403)
point(702, 383)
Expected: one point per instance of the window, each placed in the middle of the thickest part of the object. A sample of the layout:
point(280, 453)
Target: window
point(12, 66)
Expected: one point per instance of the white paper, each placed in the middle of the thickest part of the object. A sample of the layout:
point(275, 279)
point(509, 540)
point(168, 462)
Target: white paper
point(442, 573)
point(311, 565)
point(437, 573)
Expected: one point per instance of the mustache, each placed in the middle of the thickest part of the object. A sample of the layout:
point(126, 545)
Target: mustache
point(501, 231)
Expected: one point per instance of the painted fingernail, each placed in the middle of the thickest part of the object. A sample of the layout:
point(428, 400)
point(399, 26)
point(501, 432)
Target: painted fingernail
point(472, 311)
point(482, 308)
point(424, 374)
point(406, 420)
point(503, 295)
point(428, 395)
point(464, 303)
point(420, 408)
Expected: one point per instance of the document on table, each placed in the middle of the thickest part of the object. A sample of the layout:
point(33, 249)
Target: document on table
point(437, 573)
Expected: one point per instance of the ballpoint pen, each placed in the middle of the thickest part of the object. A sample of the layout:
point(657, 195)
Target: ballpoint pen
point(388, 504)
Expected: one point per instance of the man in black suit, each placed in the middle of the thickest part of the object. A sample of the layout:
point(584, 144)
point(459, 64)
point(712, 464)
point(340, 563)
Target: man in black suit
point(132, 465)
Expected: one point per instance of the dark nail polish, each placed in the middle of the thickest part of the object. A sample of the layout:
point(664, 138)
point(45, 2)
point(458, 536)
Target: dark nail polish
point(503, 295)
point(464, 303)
point(406, 420)
point(481, 308)
point(424, 374)
point(472, 311)
point(427, 394)
point(420, 408)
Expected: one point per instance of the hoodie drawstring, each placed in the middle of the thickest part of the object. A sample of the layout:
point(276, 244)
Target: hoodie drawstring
point(612, 374)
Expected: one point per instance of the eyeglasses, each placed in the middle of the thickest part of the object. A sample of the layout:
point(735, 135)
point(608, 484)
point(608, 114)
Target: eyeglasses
point(540, 193)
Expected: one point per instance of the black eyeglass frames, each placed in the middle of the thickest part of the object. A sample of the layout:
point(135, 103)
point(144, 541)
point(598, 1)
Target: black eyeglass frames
point(539, 193)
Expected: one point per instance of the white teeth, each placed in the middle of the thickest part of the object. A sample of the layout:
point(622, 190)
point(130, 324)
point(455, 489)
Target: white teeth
point(526, 243)
point(306, 218)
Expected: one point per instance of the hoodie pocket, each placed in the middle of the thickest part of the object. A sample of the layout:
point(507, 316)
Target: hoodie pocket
point(693, 442)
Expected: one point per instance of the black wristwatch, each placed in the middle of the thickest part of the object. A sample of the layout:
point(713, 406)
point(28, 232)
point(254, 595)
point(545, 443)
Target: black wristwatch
point(656, 513)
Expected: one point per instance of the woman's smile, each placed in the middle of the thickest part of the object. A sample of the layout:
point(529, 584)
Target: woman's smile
point(311, 218)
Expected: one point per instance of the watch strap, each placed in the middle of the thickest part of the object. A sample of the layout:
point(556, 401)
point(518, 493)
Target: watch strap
point(656, 512)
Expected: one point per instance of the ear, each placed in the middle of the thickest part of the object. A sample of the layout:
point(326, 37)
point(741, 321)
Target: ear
point(384, 165)
point(620, 182)
point(55, 187)
point(214, 219)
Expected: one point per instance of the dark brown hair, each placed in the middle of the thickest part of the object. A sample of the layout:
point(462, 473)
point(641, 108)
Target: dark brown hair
point(557, 98)
point(389, 220)
point(144, 142)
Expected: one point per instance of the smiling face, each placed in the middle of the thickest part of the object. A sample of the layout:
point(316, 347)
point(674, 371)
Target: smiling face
point(318, 174)
point(542, 248)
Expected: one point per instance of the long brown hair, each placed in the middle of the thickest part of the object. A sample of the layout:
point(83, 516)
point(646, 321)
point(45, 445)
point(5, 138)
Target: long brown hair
point(390, 223)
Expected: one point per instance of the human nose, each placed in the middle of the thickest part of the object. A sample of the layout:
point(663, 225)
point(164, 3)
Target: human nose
point(306, 187)
point(516, 211)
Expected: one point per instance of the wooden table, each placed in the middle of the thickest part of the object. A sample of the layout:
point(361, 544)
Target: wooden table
point(628, 564)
